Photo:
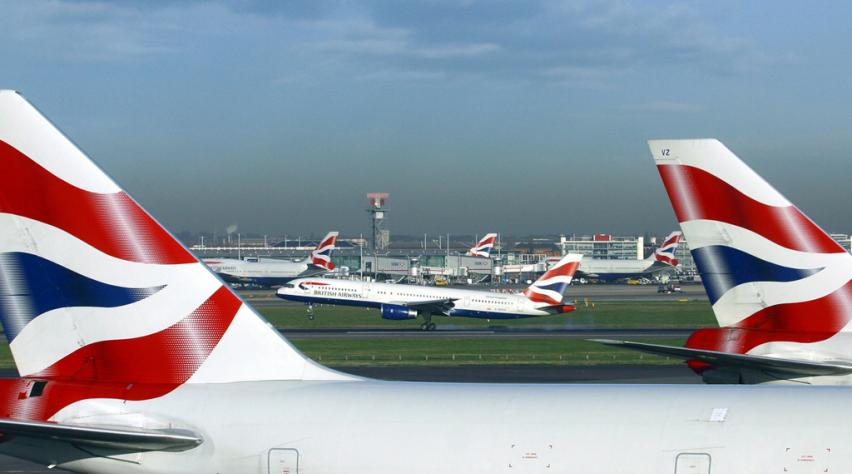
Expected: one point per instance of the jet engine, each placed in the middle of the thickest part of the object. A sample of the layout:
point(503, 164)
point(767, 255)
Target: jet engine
point(397, 312)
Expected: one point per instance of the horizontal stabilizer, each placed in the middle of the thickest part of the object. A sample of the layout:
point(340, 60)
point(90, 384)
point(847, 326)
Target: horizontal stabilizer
point(718, 360)
point(102, 436)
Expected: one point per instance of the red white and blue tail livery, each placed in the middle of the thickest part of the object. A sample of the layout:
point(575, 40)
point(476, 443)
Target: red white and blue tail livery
point(400, 302)
point(321, 256)
point(94, 290)
point(781, 287)
point(550, 288)
point(663, 259)
point(665, 253)
point(136, 359)
point(484, 246)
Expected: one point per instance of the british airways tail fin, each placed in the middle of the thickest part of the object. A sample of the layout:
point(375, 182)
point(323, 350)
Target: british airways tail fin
point(665, 253)
point(321, 256)
point(93, 289)
point(550, 288)
point(484, 246)
point(772, 275)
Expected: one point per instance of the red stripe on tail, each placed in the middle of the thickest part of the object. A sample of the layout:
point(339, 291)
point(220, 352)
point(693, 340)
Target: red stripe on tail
point(697, 194)
point(127, 369)
point(112, 223)
point(806, 321)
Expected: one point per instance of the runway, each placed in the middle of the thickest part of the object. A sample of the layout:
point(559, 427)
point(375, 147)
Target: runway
point(536, 333)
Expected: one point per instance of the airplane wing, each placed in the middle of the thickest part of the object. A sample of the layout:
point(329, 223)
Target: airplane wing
point(312, 271)
point(442, 305)
point(101, 436)
point(790, 367)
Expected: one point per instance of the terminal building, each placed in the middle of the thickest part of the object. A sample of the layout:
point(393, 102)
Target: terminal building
point(520, 260)
point(604, 246)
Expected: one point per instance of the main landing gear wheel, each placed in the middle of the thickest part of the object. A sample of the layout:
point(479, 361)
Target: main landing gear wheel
point(311, 312)
point(428, 326)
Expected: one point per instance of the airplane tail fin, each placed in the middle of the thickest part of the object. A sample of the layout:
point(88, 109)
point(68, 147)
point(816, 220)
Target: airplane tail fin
point(93, 289)
point(771, 274)
point(321, 256)
point(550, 288)
point(665, 253)
point(484, 246)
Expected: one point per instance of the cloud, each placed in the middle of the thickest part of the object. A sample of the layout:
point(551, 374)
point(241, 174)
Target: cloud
point(92, 30)
point(566, 42)
point(666, 106)
point(400, 75)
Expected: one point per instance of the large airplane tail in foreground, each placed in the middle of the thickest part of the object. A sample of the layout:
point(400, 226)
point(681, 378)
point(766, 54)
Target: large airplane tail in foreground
point(772, 275)
point(321, 256)
point(95, 291)
point(550, 288)
point(483, 247)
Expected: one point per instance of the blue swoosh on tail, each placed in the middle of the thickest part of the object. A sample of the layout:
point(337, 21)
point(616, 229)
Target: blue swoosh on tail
point(31, 285)
point(557, 287)
point(723, 268)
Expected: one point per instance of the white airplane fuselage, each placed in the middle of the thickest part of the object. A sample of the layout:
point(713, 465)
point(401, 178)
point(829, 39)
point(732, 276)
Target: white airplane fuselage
point(263, 271)
point(400, 427)
point(616, 269)
point(466, 303)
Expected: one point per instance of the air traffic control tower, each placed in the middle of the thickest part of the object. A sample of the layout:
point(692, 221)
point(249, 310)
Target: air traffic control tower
point(381, 236)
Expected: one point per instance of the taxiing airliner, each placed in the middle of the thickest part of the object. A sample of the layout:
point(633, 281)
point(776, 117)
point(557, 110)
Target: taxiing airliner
point(606, 269)
point(135, 358)
point(396, 301)
point(781, 287)
point(265, 271)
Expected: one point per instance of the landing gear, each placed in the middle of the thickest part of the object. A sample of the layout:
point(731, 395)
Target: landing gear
point(428, 325)
point(311, 312)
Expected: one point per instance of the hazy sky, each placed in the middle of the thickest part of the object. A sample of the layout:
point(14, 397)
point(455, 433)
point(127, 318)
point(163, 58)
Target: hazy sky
point(514, 117)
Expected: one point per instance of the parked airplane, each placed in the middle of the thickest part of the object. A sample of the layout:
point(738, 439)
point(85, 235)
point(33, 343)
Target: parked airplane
point(662, 259)
point(273, 271)
point(781, 287)
point(396, 301)
point(135, 358)
point(483, 247)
